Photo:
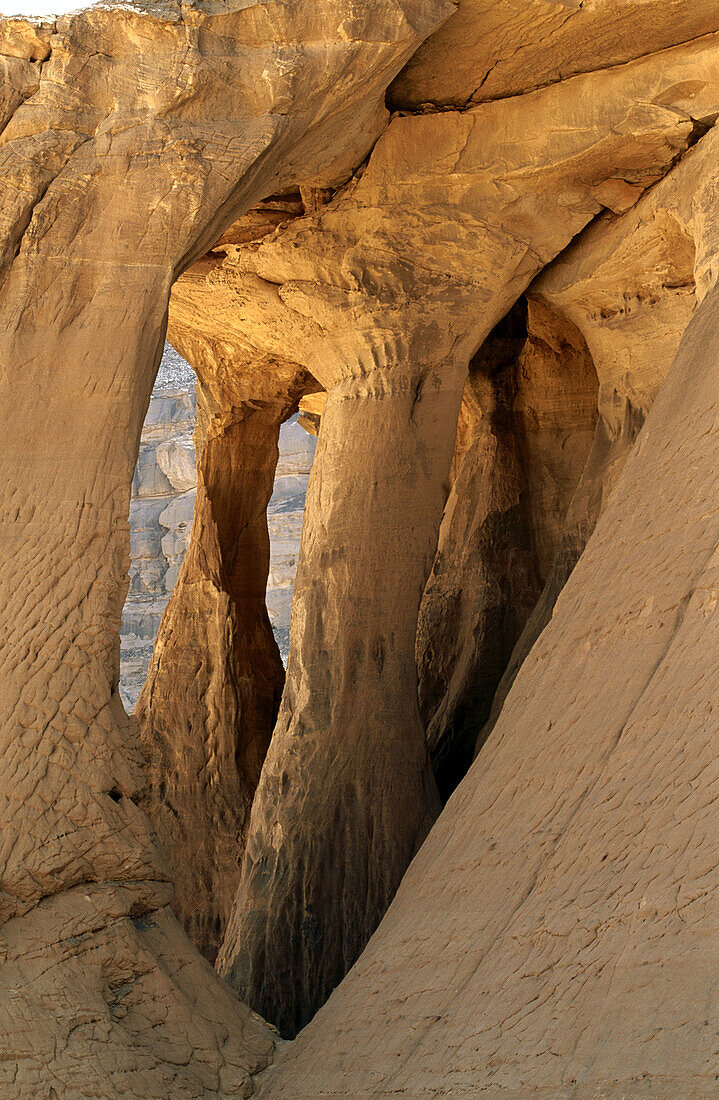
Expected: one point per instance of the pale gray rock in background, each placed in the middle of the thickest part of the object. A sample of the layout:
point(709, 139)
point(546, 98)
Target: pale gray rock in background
point(161, 508)
point(284, 519)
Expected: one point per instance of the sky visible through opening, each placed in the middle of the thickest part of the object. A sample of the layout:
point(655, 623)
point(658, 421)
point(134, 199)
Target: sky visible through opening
point(42, 7)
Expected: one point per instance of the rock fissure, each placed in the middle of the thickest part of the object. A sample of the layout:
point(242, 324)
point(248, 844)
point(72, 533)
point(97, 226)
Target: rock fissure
point(502, 330)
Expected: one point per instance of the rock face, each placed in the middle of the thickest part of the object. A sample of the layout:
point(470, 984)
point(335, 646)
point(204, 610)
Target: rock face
point(204, 849)
point(558, 915)
point(454, 215)
point(632, 289)
point(133, 136)
point(492, 49)
point(505, 291)
point(161, 507)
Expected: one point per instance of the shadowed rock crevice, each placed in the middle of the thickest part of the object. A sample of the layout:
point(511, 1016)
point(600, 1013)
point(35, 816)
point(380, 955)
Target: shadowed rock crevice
point(525, 429)
point(150, 131)
point(631, 285)
point(210, 701)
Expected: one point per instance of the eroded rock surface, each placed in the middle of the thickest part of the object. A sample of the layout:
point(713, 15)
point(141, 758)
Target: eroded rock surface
point(133, 136)
point(631, 285)
point(454, 215)
point(491, 49)
point(210, 701)
point(554, 936)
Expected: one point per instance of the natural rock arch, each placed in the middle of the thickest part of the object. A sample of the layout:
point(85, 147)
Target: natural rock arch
point(178, 121)
point(213, 688)
point(360, 293)
point(132, 138)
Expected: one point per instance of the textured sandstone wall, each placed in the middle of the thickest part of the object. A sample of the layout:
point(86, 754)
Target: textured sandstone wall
point(556, 934)
point(492, 49)
point(210, 700)
point(132, 137)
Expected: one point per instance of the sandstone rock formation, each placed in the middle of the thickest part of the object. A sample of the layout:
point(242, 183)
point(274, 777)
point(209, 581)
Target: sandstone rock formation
point(555, 935)
point(210, 700)
point(198, 693)
point(631, 286)
point(492, 49)
point(132, 137)
point(454, 215)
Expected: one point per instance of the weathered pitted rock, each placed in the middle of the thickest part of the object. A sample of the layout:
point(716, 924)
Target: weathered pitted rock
point(631, 286)
point(491, 49)
point(144, 132)
point(555, 935)
point(529, 413)
point(454, 215)
point(161, 506)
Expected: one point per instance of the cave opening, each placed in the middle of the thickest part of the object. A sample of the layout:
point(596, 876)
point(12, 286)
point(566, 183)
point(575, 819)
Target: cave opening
point(216, 517)
point(525, 431)
point(163, 494)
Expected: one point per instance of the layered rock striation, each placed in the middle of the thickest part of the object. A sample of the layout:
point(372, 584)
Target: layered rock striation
point(506, 293)
point(161, 507)
point(132, 137)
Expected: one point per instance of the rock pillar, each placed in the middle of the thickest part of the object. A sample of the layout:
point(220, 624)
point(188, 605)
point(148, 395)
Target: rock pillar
point(346, 796)
point(210, 700)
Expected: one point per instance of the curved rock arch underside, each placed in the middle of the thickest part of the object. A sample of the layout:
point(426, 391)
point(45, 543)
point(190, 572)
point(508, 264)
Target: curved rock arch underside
point(465, 844)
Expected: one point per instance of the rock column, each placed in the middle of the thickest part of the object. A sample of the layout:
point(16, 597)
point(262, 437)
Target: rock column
point(138, 136)
point(210, 700)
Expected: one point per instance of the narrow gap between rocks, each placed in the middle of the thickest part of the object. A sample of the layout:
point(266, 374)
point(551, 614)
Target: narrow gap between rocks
point(161, 511)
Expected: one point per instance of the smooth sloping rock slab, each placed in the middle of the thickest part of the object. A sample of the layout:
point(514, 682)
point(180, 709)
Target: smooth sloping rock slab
point(556, 936)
